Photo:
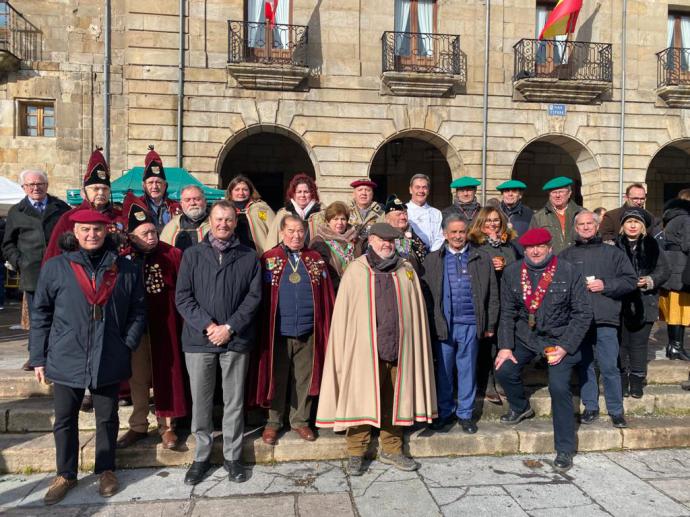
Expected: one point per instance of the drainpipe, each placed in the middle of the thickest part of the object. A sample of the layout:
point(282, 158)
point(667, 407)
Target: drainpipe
point(485, 133)
point(106, 81)
point(180, 87)
point(622, 129)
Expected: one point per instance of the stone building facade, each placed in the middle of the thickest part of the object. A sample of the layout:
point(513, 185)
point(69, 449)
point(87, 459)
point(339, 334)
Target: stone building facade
point(342, 100)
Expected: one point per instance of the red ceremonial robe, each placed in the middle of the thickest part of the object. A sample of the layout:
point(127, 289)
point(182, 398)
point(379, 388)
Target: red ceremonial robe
point(65, 224)
point(261, 388)
point(165, 327)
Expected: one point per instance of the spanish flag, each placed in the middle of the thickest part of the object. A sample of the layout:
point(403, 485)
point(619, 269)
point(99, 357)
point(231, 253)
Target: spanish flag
point(562, 19)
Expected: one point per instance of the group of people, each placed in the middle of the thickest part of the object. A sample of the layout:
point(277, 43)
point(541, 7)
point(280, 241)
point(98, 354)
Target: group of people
point(350, 316)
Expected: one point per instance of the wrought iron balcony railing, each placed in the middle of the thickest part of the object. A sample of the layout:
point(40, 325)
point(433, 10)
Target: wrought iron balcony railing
point(18, 35)
point(673, 67)
point(422, 52)
point(253, 42)
point(565, 60)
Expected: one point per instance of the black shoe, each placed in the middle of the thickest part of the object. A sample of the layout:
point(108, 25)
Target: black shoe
point(563, 461)
point(196, 473)
point(442, 423)
point(625, 384)
point(685, 385)
point(636, 386)
point(675, 350)
point(589, 416)
point(355, 466)
point(619, 421)
point(512, 417)
point(468, 425)
point(235, 470)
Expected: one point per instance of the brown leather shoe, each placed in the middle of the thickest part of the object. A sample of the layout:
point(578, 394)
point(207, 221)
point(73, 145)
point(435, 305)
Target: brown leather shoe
point(27, 367)
point(58, 489)
point(169, 439)
point(270, 435)
point(130, 438)
point(305, 433)
point(108, 484)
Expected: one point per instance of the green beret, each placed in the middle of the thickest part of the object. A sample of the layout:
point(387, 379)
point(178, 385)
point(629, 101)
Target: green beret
point(511, 184)
point(559, 182)
point(465, 182)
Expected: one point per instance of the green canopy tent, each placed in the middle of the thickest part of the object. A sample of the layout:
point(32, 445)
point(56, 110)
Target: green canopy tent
point(177, 177)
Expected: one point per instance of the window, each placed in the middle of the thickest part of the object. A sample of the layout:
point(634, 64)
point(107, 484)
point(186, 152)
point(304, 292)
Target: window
point(415, 22)
point(4, 24)
point(36, 118)
point(259, 34)
point(679, 38)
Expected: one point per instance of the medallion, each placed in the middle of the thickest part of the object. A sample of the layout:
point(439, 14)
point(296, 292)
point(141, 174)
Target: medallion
point(295, 278)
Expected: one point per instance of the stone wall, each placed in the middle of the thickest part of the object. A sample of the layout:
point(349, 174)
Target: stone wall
point(341, 118)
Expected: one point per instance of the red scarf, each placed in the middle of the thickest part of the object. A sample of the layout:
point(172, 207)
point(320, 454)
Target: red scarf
point(534, 297)
point(95, 297)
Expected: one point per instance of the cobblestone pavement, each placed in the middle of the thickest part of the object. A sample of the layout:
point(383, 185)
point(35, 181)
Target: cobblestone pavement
point(616, 483)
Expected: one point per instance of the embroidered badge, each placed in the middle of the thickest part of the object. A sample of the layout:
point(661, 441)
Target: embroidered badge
point(155, 169)
point(262, 215)
point(101, 174)
point(153, 278)
point(410, 274)
point(140, 216)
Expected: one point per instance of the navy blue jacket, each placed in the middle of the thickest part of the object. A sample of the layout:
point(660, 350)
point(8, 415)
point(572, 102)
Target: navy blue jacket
point(76, 350)
point(226, 292)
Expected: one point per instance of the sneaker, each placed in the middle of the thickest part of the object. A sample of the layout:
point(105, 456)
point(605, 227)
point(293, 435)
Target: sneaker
point(399, 461)
point(58, 489)
point(355, 466)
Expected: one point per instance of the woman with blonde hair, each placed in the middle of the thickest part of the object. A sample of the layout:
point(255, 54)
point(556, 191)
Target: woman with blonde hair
point(337, 241)
point(254, 216)
point(489, 232)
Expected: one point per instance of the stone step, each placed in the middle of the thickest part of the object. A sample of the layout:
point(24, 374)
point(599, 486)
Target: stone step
point(36, 414)
point(17, 384)
point(35, 452)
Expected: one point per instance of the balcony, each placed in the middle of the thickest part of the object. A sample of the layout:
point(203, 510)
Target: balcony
point(423, 64)
point(20, 40)
point(262, 56)
point(673, 77)
point(574, 72)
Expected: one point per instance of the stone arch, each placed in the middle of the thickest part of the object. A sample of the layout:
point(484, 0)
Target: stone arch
point(418, 151)
point(667, 173)
point(269, 154)
point(551, 155)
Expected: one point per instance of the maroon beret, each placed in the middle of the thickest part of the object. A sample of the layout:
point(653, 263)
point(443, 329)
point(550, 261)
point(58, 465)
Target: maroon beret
point(89, 216)
point(535, 237)
point(363, 183)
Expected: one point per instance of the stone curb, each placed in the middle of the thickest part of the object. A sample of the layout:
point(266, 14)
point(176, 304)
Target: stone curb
point(35, 452)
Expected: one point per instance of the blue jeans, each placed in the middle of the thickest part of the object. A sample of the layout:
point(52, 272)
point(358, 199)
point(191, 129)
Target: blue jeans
point(601, 343)
point(510, 377)
point(456, 360)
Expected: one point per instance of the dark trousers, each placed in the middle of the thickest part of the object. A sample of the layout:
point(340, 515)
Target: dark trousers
point(486, 380)
point(601, 343)
point(510, 377)
point(66, 428)
point(633, 350)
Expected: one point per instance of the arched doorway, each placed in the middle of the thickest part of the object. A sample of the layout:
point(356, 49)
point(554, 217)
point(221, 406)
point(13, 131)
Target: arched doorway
point(551, 156)
point(269, 158)
point(410, 153)
point(668, 172)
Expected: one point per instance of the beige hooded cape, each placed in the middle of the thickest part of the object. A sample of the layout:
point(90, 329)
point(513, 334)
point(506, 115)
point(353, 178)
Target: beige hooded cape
point(350, 392)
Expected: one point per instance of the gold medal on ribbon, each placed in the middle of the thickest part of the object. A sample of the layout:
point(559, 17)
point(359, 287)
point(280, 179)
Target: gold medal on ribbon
point(295, 278)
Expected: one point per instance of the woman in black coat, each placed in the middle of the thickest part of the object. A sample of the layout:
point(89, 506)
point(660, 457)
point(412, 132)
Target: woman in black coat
point(640, 308)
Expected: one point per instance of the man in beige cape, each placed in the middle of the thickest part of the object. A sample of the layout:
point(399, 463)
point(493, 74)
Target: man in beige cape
point(378, 370)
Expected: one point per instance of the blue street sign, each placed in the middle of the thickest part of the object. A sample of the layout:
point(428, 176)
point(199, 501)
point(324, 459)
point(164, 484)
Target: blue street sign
point(557, 110)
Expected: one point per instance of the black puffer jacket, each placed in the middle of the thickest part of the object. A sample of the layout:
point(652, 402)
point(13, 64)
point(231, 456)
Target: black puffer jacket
point(76, 350)
point(607, 263)
point(225, 292)
point(563, 318)
point(677, 241)
point(647, 260)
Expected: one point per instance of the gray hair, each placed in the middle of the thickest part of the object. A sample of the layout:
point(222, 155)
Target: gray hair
point(224, 204)
point(26, 172)
point(596, 217)
point(292, 217)
point(452, 218)
point(420, 177)
point(196, 187)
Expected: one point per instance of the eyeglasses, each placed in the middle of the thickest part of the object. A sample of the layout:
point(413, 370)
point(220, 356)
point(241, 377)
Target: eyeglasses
point(35, 185)
point(493, 220)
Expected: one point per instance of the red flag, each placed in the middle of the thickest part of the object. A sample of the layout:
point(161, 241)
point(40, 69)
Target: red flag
point(270, 10)
point(562, 19)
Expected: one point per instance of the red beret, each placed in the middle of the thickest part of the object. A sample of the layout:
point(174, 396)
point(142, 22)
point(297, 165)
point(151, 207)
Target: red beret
point(89, 216)
point(535, 237)
point(363, 183)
